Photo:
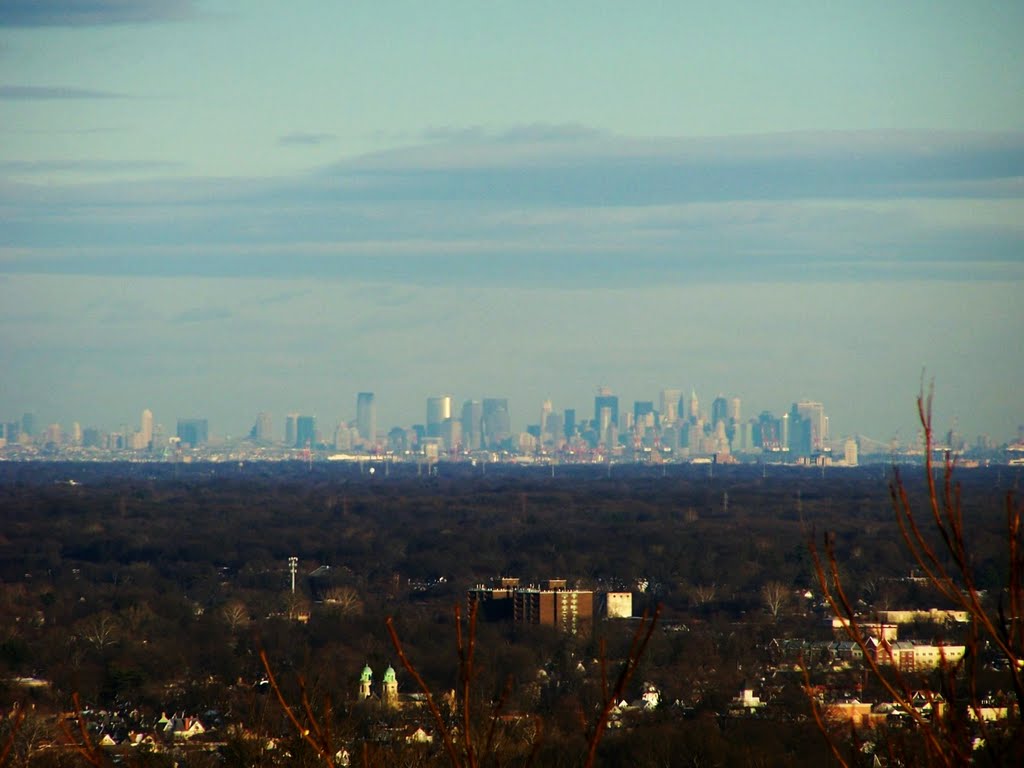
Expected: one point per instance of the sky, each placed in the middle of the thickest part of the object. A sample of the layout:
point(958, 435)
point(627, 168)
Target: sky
point(220, 208)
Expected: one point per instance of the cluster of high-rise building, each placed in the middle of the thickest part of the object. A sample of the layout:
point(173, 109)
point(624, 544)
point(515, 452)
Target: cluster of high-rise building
point(675, 426)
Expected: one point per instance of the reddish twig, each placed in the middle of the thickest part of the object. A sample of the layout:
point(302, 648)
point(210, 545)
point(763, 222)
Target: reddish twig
point(317, 739)
point(19, 718)
point(637, 647)
point(442, 728)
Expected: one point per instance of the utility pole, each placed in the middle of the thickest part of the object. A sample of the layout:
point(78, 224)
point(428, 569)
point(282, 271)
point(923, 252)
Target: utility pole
point(293, 566)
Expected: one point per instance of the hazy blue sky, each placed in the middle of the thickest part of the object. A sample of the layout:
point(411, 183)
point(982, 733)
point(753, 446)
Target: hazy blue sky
point(217, 208)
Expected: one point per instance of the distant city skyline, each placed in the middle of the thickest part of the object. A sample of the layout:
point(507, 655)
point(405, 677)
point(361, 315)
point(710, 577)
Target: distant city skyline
point(476, 417)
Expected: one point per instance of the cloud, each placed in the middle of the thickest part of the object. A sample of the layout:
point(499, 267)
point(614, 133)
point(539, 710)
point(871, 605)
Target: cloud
point(528, 132)
point(49, 93)
point(89, 13)
point(794, 206)
point(85, 166)
point(301, 139)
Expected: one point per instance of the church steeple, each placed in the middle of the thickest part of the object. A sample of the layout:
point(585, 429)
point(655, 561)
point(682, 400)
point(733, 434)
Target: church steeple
point(390, 691)
point(365, 682)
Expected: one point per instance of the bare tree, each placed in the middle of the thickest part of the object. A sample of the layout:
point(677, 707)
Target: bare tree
point(775, 596)
point(99, 630)
point(344, 600)
point(704, 594)
point(21, 734)
point(944, 739)
point(236, 615)
point(473, 741)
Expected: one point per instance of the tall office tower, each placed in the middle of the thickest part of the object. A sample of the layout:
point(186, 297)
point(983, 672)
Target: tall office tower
point(693, 407)
point(76, 433)
point(263, 429)
point(767, 433)
point(850, 452)
point(742, 441)
point(193, 432)
point(784, 432)
point(556, 430)
point(291, 430)
point(814, 413)
point(54, 435)
point(801, 441)
point(305, 431)
point(342, 437)
point(569, 417)
point(643, 414)
point(625, 421)
point(545, 414)
point(719, 410)
point(734, 410)
point(472, 424)
point(438, 410)
point(605, 399)
point(28, 425)
point(146, 429)
point(451, 434)
point(366, 416)
point(497, 421)
point(604, 425)
point(670, 406)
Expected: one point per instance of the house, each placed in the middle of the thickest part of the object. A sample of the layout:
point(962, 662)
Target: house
point(181, 727)
point(419, 735)
point(746, 701)
point(650, 698)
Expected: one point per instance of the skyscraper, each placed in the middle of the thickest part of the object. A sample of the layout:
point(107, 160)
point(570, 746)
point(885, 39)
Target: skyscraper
point(670, 405)
point(643, 414)
point(439, 409)
point(719, 410)
point(291, 426)
point(569, 417)
point(605, 399)
point(193, 432)
point(850, 452)
point(146, 429)
point(545, 414)
point(28, 425)
point(54, 435)
point(451, 434)
point(366, 416)
point(497, 422)
point(472, 424)
point(263, 429)
point(817, 423)
point(734, 410)
point(693, 411)
point(305, 431)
